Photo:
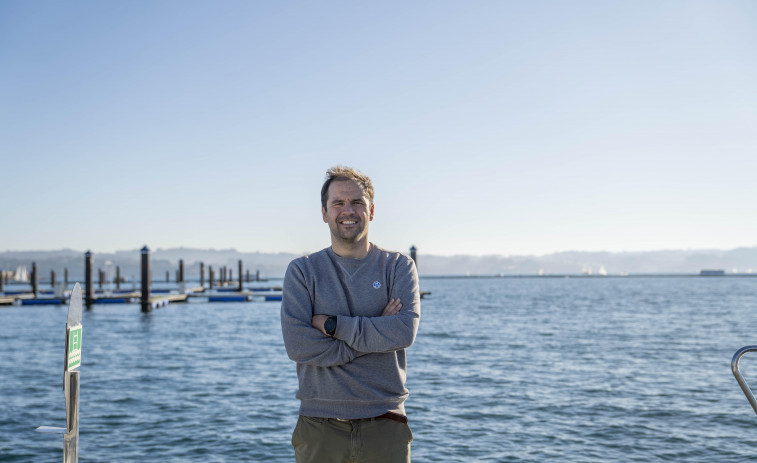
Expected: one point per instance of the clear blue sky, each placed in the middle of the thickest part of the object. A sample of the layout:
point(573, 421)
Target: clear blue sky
point(502, 127)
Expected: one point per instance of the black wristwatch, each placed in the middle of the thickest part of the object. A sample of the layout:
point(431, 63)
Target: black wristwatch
point(330, 325)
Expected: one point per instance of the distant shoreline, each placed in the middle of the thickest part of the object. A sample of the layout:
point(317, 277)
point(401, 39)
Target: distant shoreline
point(637, 275)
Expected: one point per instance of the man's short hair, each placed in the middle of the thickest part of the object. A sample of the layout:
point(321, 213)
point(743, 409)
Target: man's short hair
point(341, 173)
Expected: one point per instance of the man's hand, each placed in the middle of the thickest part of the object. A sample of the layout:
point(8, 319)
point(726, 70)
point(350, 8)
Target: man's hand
point(318, 323)
point(392, 308)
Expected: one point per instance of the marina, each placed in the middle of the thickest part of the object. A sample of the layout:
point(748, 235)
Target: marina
point(149, 296)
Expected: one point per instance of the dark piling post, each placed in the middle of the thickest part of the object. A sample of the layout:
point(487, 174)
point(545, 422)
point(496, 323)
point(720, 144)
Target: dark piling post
point(52, 278)
point(118, 278)
point(247, 275)
point(257, 275)
point(413, 255)
point(35, 280)
point(145, 300)
point(88, 295)
point(231, 276)
point(2, 279)
point(202, 274)
point(65, 278)
point(181, 271)
point(210, 276)
point(168, 278)
point(100, 278)
point(239, 265)
point(222, 276)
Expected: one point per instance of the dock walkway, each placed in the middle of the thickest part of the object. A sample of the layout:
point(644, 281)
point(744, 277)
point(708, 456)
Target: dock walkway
point(158, 298)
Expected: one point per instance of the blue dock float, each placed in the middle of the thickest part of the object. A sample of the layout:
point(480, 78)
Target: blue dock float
point(41, 301)
point(227, 290)
point(114, 300)
point(228, 298)
point(273, 298)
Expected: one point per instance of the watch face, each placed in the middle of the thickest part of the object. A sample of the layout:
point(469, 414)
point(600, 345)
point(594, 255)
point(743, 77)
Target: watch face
point(330, 325)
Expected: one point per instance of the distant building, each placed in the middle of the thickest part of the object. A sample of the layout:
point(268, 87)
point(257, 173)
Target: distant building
point(711, 273)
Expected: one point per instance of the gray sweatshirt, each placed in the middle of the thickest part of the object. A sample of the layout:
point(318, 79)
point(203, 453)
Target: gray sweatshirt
point(359, 372)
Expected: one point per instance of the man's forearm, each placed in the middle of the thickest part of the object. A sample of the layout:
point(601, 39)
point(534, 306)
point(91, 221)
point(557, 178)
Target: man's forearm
point(386, 333)
point(303, 343)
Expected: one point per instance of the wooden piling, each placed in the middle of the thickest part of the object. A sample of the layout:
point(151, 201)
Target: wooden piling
point(100, 278)
point(181, 270)
point(247, 273)
point(257, 275)
point(168, 277)
point(202, 274)
point(118, 278)
point(35, 280)
point(2, 278)
point(239, 266)
point(90, 289)
point(65, 278)
point(145, 299)
point(52, 279)
point(210, 276)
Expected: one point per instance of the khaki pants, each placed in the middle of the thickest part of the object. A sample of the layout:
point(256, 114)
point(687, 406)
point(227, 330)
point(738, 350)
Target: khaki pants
point(328, 440)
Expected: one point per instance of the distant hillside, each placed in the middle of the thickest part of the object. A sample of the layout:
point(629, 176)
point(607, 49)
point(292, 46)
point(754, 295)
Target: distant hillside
point(740, 260)
point(273, 265)
point(270, 265)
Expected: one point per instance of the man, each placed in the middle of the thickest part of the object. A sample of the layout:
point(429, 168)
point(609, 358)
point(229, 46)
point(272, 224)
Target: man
point(348, 313)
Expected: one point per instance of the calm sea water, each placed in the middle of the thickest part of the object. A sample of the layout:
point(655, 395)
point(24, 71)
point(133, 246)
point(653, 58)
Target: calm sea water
point(503, 370)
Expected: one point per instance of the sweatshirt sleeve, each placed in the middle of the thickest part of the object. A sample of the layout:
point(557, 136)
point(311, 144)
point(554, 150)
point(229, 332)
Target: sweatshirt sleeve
point(305, 344)
point(387, 334)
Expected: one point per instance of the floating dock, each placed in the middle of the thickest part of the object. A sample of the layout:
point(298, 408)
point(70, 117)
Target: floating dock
point(158, 297)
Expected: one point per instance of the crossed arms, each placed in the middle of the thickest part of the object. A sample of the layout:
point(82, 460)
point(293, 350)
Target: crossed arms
point(307, 343)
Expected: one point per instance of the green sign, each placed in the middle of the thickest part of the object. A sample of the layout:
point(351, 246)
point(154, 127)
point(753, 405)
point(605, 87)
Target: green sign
point(74, 347)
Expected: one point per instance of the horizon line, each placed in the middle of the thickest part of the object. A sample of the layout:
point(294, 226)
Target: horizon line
point(162, 249)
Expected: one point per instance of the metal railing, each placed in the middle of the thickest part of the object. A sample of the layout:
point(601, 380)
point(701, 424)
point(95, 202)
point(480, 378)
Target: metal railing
point(739, 378)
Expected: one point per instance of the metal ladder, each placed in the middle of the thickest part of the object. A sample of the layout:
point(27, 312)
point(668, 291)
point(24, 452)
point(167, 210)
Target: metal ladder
point(739, 378)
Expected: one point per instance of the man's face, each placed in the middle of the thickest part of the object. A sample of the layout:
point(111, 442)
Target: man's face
point(348, 211)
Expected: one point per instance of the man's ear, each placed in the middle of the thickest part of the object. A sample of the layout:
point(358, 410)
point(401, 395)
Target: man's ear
point(371, 216)
point(326, 219)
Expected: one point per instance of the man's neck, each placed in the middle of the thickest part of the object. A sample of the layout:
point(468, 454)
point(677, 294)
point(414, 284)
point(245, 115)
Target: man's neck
point(351, 250)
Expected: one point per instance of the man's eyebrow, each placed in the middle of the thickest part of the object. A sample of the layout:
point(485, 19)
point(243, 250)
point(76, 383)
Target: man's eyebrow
point(341, 200)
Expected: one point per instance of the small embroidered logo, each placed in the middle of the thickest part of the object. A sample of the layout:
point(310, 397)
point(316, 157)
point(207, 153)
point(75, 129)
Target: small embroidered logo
point(376, 284)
